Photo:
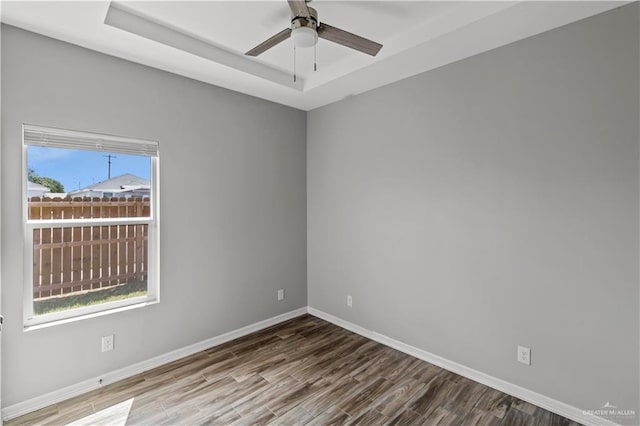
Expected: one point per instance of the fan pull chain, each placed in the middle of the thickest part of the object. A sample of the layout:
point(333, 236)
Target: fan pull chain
point(315, 57)
point(294, 63)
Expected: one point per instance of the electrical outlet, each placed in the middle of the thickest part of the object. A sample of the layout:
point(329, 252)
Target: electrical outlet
point(107, 343)
point(524, 355)
point(280, 294)
point(349, 301)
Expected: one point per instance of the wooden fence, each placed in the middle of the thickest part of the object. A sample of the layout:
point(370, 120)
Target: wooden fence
point(84, 258)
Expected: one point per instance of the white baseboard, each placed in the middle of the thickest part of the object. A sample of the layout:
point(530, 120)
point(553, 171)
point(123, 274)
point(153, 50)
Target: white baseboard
point(535, 398)
point(59, 395)
point(527, 395)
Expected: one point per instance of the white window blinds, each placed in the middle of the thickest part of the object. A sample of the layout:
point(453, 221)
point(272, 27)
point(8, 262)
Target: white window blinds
point(71, 139)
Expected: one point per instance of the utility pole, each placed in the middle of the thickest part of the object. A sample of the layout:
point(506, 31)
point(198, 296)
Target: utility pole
point(109, 163)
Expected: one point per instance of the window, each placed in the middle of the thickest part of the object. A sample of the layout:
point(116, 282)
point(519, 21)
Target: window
point(91, 224)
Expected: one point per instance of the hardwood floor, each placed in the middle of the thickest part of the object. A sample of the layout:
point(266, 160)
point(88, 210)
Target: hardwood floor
point(302, 371)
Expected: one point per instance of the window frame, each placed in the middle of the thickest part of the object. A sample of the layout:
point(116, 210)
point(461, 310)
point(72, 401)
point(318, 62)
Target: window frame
point(32, 321)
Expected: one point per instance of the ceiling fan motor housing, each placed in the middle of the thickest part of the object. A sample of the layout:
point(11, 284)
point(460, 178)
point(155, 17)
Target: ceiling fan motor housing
point(304, 30)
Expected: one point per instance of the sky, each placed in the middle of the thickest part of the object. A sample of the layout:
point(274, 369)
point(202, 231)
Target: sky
point(76, 168)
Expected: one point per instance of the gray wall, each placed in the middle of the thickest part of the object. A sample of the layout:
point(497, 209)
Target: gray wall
point(486, 204)
point(224, 254)
point(490, 203)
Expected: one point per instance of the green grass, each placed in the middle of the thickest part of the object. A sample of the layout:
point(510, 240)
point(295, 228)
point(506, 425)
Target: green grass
point(80, 300)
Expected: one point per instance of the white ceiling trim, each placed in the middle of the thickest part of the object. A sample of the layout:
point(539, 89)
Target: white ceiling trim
point(119, 16)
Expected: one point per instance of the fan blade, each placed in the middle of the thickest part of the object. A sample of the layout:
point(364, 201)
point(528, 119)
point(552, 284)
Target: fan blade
point(270, 42)
point(299, 8)
point(348, 39)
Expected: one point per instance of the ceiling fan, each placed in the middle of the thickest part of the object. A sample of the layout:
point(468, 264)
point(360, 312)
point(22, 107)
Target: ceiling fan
point(306, 28)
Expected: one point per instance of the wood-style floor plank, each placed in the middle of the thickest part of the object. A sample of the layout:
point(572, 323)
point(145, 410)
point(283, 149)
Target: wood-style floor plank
point(304, 371)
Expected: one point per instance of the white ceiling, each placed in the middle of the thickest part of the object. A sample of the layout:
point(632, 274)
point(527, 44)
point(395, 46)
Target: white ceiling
point(205, 40)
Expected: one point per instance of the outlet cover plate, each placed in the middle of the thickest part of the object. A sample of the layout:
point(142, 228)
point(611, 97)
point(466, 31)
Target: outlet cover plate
point(349, 301)
point(524, 355)
point(107, 343)
point(281, 294)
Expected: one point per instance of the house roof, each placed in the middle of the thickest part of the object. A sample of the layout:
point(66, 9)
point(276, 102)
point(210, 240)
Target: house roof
point(126, 181)
point(32, 186)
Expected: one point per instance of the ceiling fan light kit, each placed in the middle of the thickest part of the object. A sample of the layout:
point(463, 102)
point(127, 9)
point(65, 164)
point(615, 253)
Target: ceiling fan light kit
point(304, 37)
point(306, 29)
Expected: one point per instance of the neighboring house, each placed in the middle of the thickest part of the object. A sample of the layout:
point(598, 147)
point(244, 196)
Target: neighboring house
point(36, 190)
point(126, 185)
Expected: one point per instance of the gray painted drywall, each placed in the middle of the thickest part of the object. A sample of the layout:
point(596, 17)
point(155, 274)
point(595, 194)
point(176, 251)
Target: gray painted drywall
point(490, 203)
point(233, 209)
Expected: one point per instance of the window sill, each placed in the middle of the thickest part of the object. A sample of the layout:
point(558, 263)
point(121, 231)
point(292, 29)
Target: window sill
point(52, 323)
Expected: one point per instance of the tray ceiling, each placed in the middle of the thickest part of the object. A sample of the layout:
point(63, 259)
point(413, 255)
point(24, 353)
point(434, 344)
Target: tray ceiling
point(206, 40)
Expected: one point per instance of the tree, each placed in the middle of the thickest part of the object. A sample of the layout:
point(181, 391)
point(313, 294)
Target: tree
point(52, 184)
